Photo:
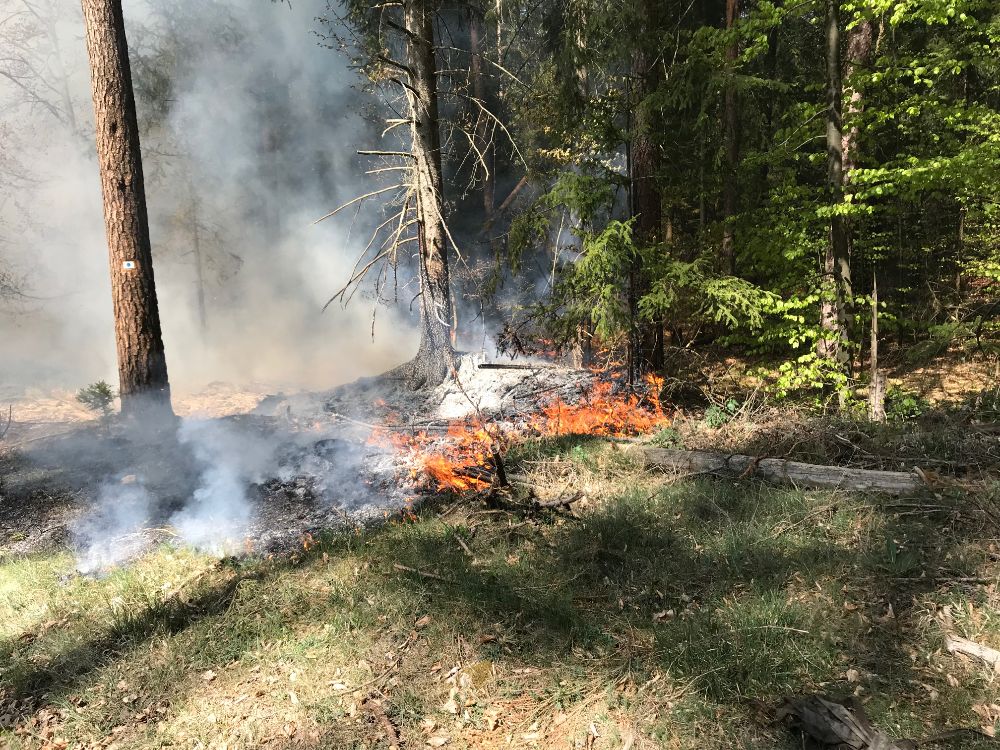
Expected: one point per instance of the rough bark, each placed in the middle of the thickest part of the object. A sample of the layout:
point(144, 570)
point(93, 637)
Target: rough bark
point(435, 357)
point(782, 471)
point(835, 311)
point(142, 366)
point(647, 204)
point(483, 140)
point(731, 128)
point(859, 52)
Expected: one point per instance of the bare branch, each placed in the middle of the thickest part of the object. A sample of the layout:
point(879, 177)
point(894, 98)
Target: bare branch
point(360, 198)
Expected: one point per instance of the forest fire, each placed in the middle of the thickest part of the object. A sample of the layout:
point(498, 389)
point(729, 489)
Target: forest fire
point(465, 458)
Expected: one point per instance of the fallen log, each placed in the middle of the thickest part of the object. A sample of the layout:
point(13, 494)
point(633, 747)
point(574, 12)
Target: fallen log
point(512, 366)
point(783, 471)
point(957, 645)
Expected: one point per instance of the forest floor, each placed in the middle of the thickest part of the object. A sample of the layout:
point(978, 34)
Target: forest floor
point(656, 614)
point(660, 612)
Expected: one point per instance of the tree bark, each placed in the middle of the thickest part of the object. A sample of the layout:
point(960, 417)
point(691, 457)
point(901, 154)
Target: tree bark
point(731, 128)
point(859, 52)
point(435, 357)
point(647, 203)
point(835, 311)
point(483, 140)
point(142, 366)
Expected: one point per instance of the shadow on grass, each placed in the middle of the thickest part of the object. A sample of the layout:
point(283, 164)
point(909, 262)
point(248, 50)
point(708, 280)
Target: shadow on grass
point(726, 590)
point(733, 591)
point(30, 681)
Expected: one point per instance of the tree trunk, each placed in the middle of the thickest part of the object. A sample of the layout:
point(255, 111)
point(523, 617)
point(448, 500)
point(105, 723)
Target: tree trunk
point(483, 140)
point(731, 128)
point(859, 52)
point(142, 366)
point(435, 357)
point(879, 384)
point(835, 312)
point(647, 204)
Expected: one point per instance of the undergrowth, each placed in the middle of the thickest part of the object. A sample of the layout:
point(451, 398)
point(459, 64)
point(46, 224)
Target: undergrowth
point(654, 614)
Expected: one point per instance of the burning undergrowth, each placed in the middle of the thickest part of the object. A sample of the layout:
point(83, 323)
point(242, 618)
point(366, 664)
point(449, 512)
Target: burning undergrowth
point(303, 463)
point(467, 454)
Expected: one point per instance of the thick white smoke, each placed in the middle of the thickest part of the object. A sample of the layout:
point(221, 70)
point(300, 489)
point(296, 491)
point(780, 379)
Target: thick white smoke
point(250, 129)
point(216, 517)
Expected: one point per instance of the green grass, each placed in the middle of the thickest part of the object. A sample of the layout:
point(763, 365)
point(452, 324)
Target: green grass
point(654, 613)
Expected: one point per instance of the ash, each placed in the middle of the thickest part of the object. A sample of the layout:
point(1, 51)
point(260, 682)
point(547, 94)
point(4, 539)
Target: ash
point(255, 483)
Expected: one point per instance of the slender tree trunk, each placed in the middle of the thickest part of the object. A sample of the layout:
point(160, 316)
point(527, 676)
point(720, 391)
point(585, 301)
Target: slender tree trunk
point(835, 312)
point(199, 264)
point(877, 388)
point(142, 366)
point(435, 357)
point(731, 127)
point(484, 142)
point(647, 204)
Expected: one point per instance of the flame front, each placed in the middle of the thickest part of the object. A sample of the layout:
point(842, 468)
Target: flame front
point(462, 460)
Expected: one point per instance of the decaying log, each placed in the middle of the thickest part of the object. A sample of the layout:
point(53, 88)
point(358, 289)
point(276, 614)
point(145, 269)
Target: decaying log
point(957, 645)
point(783, 471)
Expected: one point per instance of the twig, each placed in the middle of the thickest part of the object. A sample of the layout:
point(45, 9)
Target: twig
point(352, 201)
point(425, 574)
point(463, 545)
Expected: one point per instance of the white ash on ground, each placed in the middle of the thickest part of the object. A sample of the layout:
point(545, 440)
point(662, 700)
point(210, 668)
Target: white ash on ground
point(256, 482)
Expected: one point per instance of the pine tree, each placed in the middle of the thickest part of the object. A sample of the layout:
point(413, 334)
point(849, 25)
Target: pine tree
point(142, 366)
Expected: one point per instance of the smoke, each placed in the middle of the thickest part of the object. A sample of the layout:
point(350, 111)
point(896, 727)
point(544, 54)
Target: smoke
point(112, 531)
point(216, 518)
point(250, 129)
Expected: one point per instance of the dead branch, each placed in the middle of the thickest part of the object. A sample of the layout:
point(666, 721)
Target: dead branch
point(504, 366)
point(360, 198)
point(392, 735)
point(409, 154)
point(957, 645)
point(783, 471)
point(425, 574)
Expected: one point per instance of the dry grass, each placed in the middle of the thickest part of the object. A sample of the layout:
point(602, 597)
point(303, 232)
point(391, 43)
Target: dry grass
point(644, 618)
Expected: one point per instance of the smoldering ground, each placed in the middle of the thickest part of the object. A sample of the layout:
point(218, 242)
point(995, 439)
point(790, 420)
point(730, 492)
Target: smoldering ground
point(223, 486)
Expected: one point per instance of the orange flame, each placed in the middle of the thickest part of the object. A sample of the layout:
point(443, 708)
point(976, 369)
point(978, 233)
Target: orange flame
point(462, 460)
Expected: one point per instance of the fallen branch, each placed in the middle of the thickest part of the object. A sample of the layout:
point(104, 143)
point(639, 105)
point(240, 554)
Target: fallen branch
point(392, 735)
point(957, 645)
point(407, 569)
point(783, 471)
point(504, 366)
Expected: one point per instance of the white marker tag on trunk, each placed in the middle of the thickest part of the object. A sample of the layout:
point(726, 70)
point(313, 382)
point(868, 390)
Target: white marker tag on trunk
point(128, 265)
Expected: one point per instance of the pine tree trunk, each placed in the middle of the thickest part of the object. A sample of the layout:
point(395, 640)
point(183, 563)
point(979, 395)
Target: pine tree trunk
point(435, 357)
point(483, 141)
point(731, 127)
point(835, 312)
point(142, 366)
point(647, 205)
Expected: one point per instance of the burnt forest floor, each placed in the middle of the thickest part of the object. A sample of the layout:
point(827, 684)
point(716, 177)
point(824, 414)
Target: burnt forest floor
point(655, 611)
